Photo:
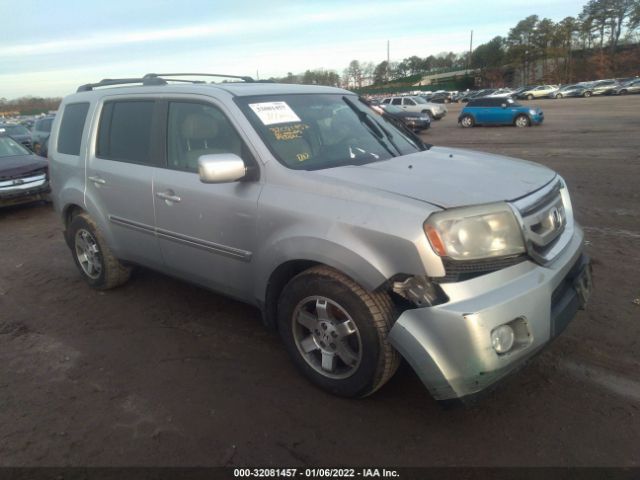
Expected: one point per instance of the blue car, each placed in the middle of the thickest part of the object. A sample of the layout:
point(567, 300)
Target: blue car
point(499, 111)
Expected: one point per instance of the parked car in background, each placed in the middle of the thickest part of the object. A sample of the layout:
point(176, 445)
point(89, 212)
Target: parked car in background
point(23, 176)
point(539, 91)
point(568, 91)
point(40, 132)
point(440, 97)
point(414, 121)
point(604, 87)
point(499, 111)
point(18, 132)
point(417, 104)
point(631, 86)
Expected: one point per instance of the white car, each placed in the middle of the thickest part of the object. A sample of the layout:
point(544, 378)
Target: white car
point(538, 92)
point(418, 105)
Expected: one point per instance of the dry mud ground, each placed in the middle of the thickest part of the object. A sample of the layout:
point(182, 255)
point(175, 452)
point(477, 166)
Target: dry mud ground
point(163, 373)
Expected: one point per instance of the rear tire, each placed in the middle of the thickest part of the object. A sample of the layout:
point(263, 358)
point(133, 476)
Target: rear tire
point(586, 94)
point(93, 257)
point(336, 332)
point(623, 92)
point(559, 95)
point(467, 121)
point(529, 97)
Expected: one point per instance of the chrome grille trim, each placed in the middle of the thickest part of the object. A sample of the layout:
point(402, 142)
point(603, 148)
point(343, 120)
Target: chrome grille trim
point(546, 219)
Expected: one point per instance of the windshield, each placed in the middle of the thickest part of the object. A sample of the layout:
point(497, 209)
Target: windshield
point(10, 148)
point(317, 131)
point(15, 130)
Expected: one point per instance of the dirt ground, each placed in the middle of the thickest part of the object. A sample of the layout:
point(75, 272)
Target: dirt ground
point(161, 373)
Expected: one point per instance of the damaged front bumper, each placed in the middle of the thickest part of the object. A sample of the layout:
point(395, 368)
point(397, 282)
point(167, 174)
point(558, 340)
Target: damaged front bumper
point(450, 345)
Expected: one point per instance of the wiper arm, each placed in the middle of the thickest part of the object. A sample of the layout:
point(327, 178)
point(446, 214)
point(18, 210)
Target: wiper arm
point(366, 120)
point(407, 131)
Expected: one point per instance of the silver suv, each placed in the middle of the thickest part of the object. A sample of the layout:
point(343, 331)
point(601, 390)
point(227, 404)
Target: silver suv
point(358, 243)
point(417, 104)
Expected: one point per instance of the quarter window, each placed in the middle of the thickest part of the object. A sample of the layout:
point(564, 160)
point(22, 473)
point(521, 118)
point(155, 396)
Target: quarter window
point(71, 128)
point(125, 131)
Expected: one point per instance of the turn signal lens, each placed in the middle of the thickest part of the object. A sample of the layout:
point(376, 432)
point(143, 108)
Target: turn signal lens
point(435, 240)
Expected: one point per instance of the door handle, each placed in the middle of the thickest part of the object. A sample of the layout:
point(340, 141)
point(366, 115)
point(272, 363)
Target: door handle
point(97, 180)
point(169, 197)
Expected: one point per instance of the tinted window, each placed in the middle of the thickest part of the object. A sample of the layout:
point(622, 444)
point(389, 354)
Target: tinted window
point(386, 101)
point(396, 101)
point(125, 131)
point(196, 129)
point(71, 128)
point(44, 125)
point(408, 101)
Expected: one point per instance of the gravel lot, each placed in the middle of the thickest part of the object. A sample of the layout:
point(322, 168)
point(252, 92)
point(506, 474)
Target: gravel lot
point(163, 373)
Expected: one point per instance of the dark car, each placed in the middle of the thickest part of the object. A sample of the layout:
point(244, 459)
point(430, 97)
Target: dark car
point(19, 133)
point(499, 111)
point(24, 177)
point(415, 121)
point(40, 132)
point(441, 97)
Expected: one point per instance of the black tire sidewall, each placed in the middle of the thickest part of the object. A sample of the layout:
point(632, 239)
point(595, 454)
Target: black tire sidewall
point(308, 285)
point(80, 223)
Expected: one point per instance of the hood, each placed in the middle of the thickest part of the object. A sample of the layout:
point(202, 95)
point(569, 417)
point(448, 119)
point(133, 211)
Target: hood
point(20, 165)
point(447, 177)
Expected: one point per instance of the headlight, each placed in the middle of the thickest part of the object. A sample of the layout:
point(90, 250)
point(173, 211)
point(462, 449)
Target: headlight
point(475, 232)
point(532, 111)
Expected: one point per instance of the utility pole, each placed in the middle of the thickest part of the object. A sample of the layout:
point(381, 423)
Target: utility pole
point(257, 75)
point(470, 51)
point(388, 64)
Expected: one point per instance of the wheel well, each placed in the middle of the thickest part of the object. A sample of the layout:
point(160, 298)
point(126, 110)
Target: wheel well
point(71, 211)
point(277, 281)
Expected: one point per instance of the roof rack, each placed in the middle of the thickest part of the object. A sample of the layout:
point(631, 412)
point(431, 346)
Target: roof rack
point(156, 79)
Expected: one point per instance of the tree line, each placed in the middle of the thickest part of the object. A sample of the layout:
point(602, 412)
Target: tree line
point(600, 41)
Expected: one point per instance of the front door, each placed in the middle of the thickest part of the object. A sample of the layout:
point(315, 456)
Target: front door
point(207, 232)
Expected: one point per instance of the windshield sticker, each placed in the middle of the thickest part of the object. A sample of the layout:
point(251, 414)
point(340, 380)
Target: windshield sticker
point(292, 132)
point(270, 113)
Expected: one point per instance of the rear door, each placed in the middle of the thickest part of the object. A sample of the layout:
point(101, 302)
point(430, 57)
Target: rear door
point(119, 192)
point(207, 232)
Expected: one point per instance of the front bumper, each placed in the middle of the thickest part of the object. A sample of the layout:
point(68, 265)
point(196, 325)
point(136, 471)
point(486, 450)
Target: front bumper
point(32, 189)
point(449, 345)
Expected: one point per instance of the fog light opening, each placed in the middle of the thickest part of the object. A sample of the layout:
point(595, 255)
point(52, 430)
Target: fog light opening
point(502, 339)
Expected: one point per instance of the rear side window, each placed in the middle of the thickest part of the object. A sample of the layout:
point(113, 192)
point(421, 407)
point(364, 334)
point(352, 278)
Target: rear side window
point(396, 101)
point(71, 128)
point(124, 133)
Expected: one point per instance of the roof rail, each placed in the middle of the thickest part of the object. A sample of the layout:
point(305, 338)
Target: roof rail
point(156, 79)
point(162, 75)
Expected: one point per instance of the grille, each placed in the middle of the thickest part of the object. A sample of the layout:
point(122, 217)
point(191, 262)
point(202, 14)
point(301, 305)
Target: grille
point(545, 220)
point(457, 271)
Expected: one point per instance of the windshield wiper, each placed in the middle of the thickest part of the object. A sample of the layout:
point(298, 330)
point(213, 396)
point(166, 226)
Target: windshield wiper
point(400, 125)
point(373, 127)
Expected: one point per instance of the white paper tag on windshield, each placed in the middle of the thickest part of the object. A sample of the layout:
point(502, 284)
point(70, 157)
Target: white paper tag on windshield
point(270, 113)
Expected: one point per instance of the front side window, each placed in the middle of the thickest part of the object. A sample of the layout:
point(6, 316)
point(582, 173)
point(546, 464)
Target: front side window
point(71, 128)
point(196, 129)
point(408, 101)
point(124, 133)
point(317, 131)
point(396, 101)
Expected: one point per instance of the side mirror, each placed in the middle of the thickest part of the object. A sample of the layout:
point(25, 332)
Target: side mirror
point(221, 168)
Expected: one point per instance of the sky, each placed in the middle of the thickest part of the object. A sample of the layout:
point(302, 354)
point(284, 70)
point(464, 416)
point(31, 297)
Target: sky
point(49, 48)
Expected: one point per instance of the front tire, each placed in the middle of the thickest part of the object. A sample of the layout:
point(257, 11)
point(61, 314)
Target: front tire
point(467, 121)
point(586, 94)
point(623, 92)
point(336, 332)
point(97, 264)
point(522, 121)
point(559, 95)
point(529, 97)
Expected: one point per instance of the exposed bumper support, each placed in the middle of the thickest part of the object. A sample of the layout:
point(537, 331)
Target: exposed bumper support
point(449, 345)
